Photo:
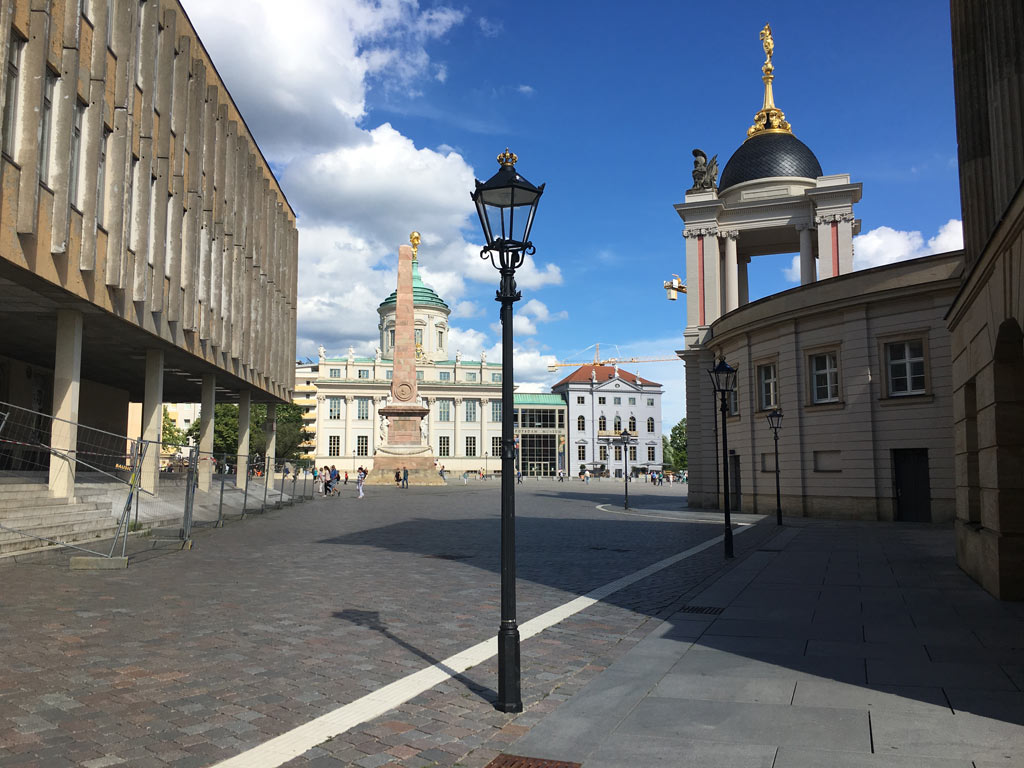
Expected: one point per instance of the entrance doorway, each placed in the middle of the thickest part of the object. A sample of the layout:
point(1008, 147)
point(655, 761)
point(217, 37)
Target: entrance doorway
point(911, 485)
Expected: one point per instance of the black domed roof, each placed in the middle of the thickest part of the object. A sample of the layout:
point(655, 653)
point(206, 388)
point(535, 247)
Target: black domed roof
point(765, 155)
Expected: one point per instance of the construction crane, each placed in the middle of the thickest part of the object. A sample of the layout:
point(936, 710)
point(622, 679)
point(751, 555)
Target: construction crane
point(674, 287)
point(552, 367)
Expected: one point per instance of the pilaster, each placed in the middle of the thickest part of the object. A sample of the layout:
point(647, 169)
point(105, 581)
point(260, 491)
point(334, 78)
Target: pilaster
point(244, 413)
point(206, 425)
point(66, 386)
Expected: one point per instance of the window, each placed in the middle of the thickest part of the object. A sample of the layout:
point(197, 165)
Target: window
point(650, 401)
point(363, 373)
point(600, 401)
point(363, 408)
point(334, 445)
point(444, 410)
point(602, 452)
point(471, 445)
point(470, 376)
point(11, 92)
point(632, 423)
point(391, 338)
point(419, 375)
point(46, 127)
point(617, 401)
point(538, 418)
point(733, 402)
point(495, 410)
point(335, 373)
point(618, 424)
point(768, 387)
point(581, 400)
point(825, 378)
point(334, 407)
point(650, 426)
point(905, 361)
point(76, 153)
point(496, 446)
point(389, 374)
point(650, 453)
point(418, 337)
point(440, 339)
point(496, 377)
point(618, 453)
point(443, 446)
point(602, 424)
point(632, 401)
point(632, 453)
point(581, 452)
point(471, 410)
point(445, 375)
point(362, 445)
point(581, 424)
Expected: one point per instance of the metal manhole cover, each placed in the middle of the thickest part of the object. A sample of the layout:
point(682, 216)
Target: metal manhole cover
point(700, 609)
point(515, 761)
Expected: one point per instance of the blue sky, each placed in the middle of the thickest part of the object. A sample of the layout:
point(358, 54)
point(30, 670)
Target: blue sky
point(377, 116)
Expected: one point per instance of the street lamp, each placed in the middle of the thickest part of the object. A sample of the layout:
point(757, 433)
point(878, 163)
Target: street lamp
point(485, 465)
point(506, 204)
point(775, 422)
point(723, 377)
point(625, 467)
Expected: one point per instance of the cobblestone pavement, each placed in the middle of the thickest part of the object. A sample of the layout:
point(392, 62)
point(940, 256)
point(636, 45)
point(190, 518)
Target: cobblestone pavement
point(188, 658)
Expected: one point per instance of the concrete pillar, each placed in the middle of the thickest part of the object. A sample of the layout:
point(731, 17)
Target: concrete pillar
point(206, 431)
point(807, 271)
point(244, 408)
point(731, 276)
point(270, 432)
point(66, 384)
point(153, 418)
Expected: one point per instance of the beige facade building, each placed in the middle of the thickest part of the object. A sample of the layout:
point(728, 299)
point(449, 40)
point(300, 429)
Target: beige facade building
point(147, 253)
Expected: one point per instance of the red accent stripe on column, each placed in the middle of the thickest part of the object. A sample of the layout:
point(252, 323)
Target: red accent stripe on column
point(835, 249)
point(700, 278)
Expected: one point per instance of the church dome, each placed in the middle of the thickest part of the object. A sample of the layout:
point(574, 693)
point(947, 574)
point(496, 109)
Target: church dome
point(422, 294)
point(768, 154)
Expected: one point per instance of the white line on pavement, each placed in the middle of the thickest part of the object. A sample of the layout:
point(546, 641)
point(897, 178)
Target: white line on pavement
point(692, 519)
point(295, 742)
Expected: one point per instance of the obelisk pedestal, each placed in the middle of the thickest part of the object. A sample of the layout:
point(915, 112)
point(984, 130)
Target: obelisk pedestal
point(404, 449)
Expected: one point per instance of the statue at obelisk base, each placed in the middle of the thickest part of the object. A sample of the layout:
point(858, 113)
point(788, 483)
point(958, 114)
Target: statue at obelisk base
point(402, 416)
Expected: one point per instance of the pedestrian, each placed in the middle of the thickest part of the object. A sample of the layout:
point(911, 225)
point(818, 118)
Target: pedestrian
point(405, 477)
point(335, 478)
point(561, 476)
point(586, 477)
point(398, 478)
point(519, 477)
point(360, 476)
point(465, 478)
point(346, 477)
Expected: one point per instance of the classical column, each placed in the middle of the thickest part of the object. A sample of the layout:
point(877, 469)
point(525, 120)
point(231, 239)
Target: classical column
point(318, 431)
point(455, 416)
point(743, 281)
point(483, 422)
point(152, 418)
point(806, 255)
point(375, 439)
point(270, 433)
point(844, 227)
point(350, 440)
point(66, 384)
point(828, 245)
point(206, 411)
point(732, 268)
point(430, 402)
point(244, 408)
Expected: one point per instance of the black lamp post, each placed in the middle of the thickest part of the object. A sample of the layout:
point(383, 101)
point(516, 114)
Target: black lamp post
point(506, 204)
point(625, 466)
point(775, 422)
point(723, 377)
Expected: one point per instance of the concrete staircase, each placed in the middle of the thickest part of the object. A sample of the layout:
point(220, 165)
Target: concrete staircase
point(29, 507)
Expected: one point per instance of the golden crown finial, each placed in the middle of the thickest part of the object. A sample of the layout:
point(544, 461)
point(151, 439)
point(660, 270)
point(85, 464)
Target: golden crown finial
point(769, 119)
point(507, 158)
point(414, 241)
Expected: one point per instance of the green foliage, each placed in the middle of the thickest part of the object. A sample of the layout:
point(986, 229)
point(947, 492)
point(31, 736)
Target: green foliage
point(225, 430)
point(674, 447)
point(170, 435)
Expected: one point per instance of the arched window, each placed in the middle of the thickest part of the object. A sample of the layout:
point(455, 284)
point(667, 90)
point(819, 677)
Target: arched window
point(618, 423)
point(632, 423)
point(650, 426)
point(581, 424)
point(602, 424)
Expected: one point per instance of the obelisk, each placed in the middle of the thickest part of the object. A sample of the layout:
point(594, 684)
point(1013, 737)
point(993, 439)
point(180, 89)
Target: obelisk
point(404, 448)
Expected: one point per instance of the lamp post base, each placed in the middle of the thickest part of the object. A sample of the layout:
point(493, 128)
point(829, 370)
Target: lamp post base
point(509, 697)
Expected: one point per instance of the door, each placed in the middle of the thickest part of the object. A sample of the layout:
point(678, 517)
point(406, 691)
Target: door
point(911, 485)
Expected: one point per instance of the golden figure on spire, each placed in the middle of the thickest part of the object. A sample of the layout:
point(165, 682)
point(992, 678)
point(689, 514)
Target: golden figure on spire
point(770, 119)
point(414, 241)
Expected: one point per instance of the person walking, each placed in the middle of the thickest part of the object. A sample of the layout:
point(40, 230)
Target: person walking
point(346, 477)
point(405, 477)
point(519, 477)
point(360, 476)
point(335, 478)
point(398, 478)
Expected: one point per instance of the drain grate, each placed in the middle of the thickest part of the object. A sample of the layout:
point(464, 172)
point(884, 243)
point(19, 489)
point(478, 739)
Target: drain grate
point(515, 761)
point(701, 609)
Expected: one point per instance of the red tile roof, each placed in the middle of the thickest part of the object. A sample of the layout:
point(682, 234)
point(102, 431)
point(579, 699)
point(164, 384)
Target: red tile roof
point(604, 373)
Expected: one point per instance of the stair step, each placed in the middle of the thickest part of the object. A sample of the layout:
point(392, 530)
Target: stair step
point(16, 518)
point(13, 542)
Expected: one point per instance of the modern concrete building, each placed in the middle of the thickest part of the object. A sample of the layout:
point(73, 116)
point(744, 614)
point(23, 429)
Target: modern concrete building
point(602, 401)
point(540, 430)
point(857, 361)
point(147, 253)
point(987, 314)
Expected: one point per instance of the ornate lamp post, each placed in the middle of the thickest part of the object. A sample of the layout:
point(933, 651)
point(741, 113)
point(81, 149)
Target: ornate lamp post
point(506, 204)
point(625, 466)
point(775, 423)
point(723, 377)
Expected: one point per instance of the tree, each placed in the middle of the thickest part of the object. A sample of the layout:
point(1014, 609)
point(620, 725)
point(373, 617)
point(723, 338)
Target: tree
point(225, 430)
point(170, 435)
point(675, 447)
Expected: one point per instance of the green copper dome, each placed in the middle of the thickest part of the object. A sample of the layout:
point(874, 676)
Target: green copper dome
point(422, 294)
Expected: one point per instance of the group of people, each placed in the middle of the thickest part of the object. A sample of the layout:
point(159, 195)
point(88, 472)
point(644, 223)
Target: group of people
point(402, 478)
point(329, 480)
